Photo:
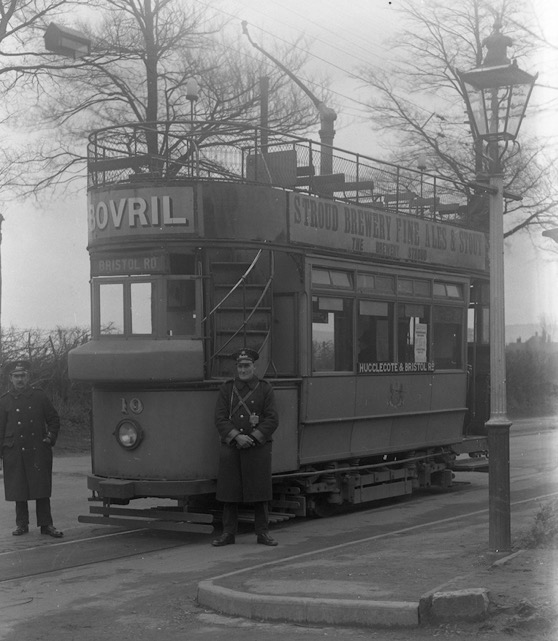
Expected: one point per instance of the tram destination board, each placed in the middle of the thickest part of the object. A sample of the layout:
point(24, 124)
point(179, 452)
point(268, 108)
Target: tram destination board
point(120, 263)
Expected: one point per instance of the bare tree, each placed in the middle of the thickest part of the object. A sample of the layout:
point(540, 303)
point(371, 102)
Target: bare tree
point(22, 24)
point(418, 103)
point(143, 54)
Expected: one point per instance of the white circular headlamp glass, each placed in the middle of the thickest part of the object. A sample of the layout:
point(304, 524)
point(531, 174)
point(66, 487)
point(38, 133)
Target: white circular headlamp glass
point(129, 434)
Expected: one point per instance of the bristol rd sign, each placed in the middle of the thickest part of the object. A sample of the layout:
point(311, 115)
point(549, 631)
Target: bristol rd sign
point(121, 213)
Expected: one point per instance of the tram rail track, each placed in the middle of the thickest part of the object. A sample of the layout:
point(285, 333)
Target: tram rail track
point(50, 558)
point(22, 563)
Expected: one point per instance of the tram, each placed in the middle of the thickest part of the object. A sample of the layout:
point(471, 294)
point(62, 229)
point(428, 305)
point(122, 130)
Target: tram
point(362, 285)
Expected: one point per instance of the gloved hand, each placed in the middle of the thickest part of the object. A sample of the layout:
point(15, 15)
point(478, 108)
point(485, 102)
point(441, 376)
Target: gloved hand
point(243, 441)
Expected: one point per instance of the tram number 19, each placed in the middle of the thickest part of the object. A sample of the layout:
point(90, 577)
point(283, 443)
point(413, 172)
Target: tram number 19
point(134, 405)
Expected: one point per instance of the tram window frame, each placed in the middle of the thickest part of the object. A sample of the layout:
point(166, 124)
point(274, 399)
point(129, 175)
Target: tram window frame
point(448, 353)
point(126, 283)
point(451, 291)
point(414, 287)
point(375, 337)
point(196, 322)
point(383, 284)
point(337, 278)
point(411, 347)
point(337, 313)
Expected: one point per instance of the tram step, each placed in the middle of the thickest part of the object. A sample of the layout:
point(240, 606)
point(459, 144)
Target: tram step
point(232, 318)
point(242, 296)
point(229, 273)
point(252, 340)
point(274, 517)
point(140, 524)
point(479, 464)
point(154, 513)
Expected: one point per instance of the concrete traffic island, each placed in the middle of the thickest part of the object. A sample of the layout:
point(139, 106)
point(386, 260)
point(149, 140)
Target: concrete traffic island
point(348, 612)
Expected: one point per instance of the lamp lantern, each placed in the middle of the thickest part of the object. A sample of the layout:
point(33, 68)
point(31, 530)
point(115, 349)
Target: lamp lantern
point(497, 92)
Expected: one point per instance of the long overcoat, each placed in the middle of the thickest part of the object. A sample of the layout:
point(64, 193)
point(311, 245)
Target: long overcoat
point(245, 474)
point(26, 419)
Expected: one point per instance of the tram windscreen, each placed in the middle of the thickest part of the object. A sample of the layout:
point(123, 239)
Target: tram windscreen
point(141, 303)
point(111, 305)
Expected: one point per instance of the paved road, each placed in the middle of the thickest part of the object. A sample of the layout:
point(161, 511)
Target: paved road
point(142, 586)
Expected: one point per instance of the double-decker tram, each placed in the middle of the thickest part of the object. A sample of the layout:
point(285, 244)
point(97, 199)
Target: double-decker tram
point(362, 286)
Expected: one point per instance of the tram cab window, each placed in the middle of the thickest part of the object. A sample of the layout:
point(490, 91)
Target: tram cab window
point(124, 307)
point(181, 307)
point(447, 323)
point(141, 308)
point(332, 335)
point(375, 331)
point(412, 333)
point(111, 307)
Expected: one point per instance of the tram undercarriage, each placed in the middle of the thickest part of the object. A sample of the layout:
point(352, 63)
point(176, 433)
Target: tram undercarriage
point(305, 493)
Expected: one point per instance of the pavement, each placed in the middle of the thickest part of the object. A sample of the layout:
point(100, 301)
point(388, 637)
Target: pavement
point(435, 574)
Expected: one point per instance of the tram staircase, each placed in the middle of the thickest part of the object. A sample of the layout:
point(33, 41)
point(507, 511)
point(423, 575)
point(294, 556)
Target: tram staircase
point(241, 309)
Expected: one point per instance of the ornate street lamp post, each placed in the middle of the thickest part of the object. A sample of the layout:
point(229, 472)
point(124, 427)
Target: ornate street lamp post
point(496, 95)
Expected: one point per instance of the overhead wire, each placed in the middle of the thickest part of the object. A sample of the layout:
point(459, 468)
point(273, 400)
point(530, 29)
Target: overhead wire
point(351, 75)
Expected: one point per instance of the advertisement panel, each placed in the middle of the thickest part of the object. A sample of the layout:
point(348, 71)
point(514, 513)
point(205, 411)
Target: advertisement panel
point(141, 211)
point(383, 234)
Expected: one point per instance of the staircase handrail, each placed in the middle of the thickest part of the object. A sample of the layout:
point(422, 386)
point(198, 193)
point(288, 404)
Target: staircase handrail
point(238, 283)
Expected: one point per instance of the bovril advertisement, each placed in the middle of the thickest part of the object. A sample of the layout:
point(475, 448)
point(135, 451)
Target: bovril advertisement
point(133, 212)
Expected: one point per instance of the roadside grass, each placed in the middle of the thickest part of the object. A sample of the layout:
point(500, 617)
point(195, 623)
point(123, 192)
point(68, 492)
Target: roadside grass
point(75, 421)
point(543, 532)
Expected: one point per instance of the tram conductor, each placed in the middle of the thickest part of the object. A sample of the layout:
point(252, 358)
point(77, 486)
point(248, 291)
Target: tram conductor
point(29, 427)
point(246, 418)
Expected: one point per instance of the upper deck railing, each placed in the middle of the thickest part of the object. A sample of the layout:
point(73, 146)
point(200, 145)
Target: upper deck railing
point(164, 152)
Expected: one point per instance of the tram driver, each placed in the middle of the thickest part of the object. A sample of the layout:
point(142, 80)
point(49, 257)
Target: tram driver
point(245, 417)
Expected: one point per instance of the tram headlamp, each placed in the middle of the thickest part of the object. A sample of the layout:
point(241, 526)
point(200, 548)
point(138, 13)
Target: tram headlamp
point(129, 434)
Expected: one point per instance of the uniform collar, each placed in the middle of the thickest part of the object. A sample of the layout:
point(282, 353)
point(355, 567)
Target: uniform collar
point(26, 392)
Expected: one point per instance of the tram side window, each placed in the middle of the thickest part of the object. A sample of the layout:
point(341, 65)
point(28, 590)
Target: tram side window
point(181, 307)
point(332, 336)
point(412, 333)
point(111, 304)
point(375, 331)
point(447, 337)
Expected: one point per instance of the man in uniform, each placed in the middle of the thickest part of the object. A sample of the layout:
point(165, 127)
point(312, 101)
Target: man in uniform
point(29, 426)
point(245, 417)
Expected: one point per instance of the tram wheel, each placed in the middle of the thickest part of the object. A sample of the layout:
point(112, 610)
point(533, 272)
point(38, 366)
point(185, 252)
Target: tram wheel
point(320, 508)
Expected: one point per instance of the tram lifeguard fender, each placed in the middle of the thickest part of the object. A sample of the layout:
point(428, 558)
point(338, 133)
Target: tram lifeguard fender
point(137, 360)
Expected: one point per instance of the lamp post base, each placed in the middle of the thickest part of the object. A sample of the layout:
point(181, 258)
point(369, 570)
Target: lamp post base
point(499, 529)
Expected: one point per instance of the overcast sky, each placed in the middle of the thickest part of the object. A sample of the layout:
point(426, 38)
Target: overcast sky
point(45, 265)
